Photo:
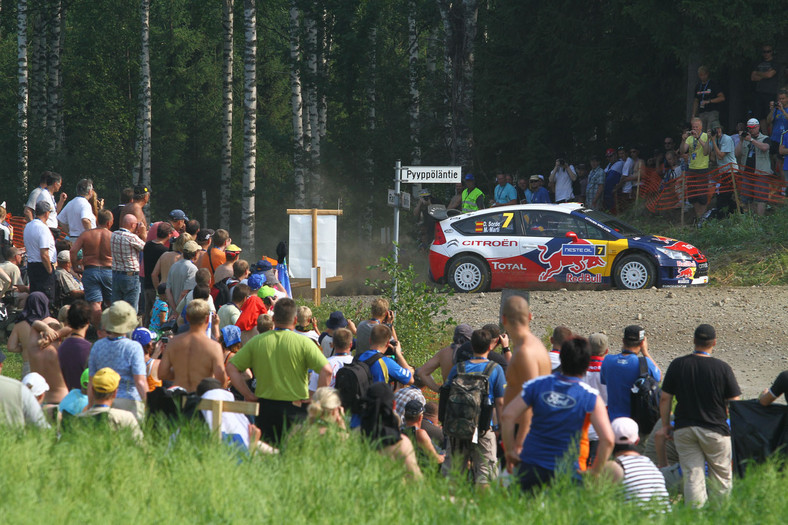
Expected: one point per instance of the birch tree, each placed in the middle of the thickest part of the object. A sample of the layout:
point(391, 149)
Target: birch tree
point(250, 126)
point(413, 73)
point(22, 101)
point(312, 106)
point(143, 149)
point(371, 94)
point(54, 135)
point(38, 72)
point(296, 108)
point(227, 114)
point(460, 23)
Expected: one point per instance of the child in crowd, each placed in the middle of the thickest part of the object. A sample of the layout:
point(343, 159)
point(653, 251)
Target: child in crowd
point(306, 324)
point(148, 340)
point(161, 310)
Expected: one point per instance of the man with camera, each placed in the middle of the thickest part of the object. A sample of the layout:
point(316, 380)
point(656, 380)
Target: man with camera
point(696, 143)
point(561, 179)
point(753, 149)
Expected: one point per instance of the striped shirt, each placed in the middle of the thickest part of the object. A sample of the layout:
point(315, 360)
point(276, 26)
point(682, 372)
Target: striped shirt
point(643, 480)
point(126, 248)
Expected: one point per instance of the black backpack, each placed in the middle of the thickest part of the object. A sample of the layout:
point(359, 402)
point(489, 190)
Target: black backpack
point(464, 405)
point(645, 398)
point(223, 294)
point(353, 380)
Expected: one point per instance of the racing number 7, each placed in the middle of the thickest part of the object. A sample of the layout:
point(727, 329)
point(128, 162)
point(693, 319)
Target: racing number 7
point(600, 250)
point(508, 218)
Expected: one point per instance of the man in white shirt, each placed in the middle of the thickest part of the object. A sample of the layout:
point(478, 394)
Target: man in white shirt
point(77, 216)
point(30, 205)
point(54, 182)
point(40, 248)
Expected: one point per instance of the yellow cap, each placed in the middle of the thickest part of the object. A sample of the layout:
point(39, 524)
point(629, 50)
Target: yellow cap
point(106, 381)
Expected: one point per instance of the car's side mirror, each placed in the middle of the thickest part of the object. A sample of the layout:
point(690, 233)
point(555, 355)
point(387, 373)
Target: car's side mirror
point(572, 235)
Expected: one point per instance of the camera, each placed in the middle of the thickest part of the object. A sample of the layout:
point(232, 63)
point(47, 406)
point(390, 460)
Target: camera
point(391, 346)
point(561, 162)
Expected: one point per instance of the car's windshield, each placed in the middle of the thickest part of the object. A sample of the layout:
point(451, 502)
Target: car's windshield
point(613, 223)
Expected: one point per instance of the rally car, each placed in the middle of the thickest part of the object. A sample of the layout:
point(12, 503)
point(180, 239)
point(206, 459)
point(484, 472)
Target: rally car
point(544, 245)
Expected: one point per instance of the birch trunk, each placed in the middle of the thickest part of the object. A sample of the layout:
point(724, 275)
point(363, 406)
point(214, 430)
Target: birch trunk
point(415, 95)
point(142, 148)
point(312, 103)
point(369, 212)
point(227, 117)
point(296, 108)
point(250, 126)
point(60, 128)
point(38, 74)
point(53, 106)
point(22, 101)
point(325, 46)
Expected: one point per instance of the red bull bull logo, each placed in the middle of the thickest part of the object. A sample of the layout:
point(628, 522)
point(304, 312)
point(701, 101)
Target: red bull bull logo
point(681, 246)
point(686, 273)
point(575, 257)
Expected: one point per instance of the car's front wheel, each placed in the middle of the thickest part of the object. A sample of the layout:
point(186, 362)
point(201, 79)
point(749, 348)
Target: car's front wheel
point(469, 274)
point(635, 272)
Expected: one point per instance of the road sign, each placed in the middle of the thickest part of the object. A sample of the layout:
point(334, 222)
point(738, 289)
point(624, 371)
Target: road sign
point(392, 198)
point(402, 200)
point(405, 202)
point(431, 174)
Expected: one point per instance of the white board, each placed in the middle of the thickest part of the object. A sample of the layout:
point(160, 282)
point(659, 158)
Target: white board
point(300, 245)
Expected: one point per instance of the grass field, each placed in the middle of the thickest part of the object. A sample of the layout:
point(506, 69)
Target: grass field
point(100, 477)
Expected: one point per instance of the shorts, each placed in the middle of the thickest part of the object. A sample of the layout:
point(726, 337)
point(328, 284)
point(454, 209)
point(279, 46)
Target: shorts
point(98, 284)
point(698, 180)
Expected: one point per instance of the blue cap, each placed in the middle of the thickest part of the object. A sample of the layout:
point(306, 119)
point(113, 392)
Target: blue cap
point(178, 215)
point(255, 281)
point(263, 266)
point(142, 335)
point(470, 176)
point(231, 335)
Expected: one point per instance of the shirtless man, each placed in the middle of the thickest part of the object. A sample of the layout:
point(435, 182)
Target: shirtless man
point(193, 356)
point(44, 360)
point(141, 198)
point(444, 358)
point(530, 358)
point(167, 259)
point(96, 264)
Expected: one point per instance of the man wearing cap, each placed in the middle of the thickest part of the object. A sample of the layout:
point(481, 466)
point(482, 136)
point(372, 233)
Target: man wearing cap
point(336, 319)
point(619, 372)
point(177, 219)
point(11, 276)
point(280, 361)
point(695, 143)
point(703, 386)
point(225, 271)
point(343, 342)
point(135, 207)
point(753, 150)
point(38, 386)
point(96, 249)
point(67, 286)
point(504, 193)
point(599, 349)
point(536, 192)
point(18, 405)
point(472, 197)
point(613, 172)
point(77, 216)
point(40, 249)
point(151, 254)
point(126, 247)
point(76, 400)
point(54, 182)
point(123, 355)
point(181, 277)
point(406, 393)
point(251, 309)
point(412, 417)
point(642, 480)
point(214, 256)
point(104, 391)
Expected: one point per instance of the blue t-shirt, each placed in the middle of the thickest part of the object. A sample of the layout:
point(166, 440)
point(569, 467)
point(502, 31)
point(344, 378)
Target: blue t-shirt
point(386, 369)
point(561, 407)
point(125, 357)
point(612, 177)
point(779, 125)
point(784, 142)
point(505, 193)
point(541, 196)
point(497, 380)
point(619, 372)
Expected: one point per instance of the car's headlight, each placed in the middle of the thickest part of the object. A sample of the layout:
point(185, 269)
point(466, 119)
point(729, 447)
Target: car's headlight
point(675, 254)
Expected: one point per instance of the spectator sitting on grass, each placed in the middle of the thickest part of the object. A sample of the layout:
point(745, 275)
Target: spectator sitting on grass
point(77, 399)
point(325, 410)
point(426, 452)
point(105, 388)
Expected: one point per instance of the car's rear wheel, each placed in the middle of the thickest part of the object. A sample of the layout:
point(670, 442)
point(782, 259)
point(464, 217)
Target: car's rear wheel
point(469, 274)
point(635, 272)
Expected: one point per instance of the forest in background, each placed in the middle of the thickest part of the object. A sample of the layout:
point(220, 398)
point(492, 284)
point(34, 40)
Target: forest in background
point(489, 85)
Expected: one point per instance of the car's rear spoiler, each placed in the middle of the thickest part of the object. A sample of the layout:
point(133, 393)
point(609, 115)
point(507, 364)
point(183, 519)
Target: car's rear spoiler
point(439, 212)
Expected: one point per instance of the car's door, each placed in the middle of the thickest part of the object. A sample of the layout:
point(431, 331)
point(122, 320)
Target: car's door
point(494, 236)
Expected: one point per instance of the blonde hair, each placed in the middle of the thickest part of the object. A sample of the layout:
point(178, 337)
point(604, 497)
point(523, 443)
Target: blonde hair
point(324, 401)
point(197, 310)
point(182, 239)
point(303, 315)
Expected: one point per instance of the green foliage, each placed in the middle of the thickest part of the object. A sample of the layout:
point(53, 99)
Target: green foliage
point(99, 477)
point(422, 317)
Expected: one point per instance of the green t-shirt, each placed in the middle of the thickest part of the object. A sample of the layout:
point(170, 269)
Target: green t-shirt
point(280, 360)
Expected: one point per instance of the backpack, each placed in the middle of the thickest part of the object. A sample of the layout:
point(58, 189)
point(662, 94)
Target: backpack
point(353, 380)
point(645, 398)
point(221, 292)
point(464, 405)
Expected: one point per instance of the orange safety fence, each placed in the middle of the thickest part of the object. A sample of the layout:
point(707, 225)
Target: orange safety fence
point(18, 223)
point(746, 184)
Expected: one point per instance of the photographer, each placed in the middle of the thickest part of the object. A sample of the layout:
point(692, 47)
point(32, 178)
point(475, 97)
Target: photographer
point(778, 121)
point(753, 150)
point(723, 148)
point(696, 143)
point(561, 179)
point(380, 315)
point(425, 223)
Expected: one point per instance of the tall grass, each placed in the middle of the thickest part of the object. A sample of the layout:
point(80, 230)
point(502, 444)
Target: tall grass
point(101, 477)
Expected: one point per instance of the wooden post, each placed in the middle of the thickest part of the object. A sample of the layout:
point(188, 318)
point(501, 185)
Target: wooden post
point(217, 407)
point(735, 191)
point(316, 291)
point(683, 198)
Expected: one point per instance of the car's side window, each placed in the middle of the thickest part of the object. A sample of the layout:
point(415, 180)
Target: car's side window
point(501, 223)
point(541, 223)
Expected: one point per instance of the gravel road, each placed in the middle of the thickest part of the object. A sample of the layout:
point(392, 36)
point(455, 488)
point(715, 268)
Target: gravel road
point(751, 323)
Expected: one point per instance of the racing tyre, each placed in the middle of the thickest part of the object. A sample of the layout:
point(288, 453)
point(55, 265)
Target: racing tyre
point(469, 274)
point(635, 272)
